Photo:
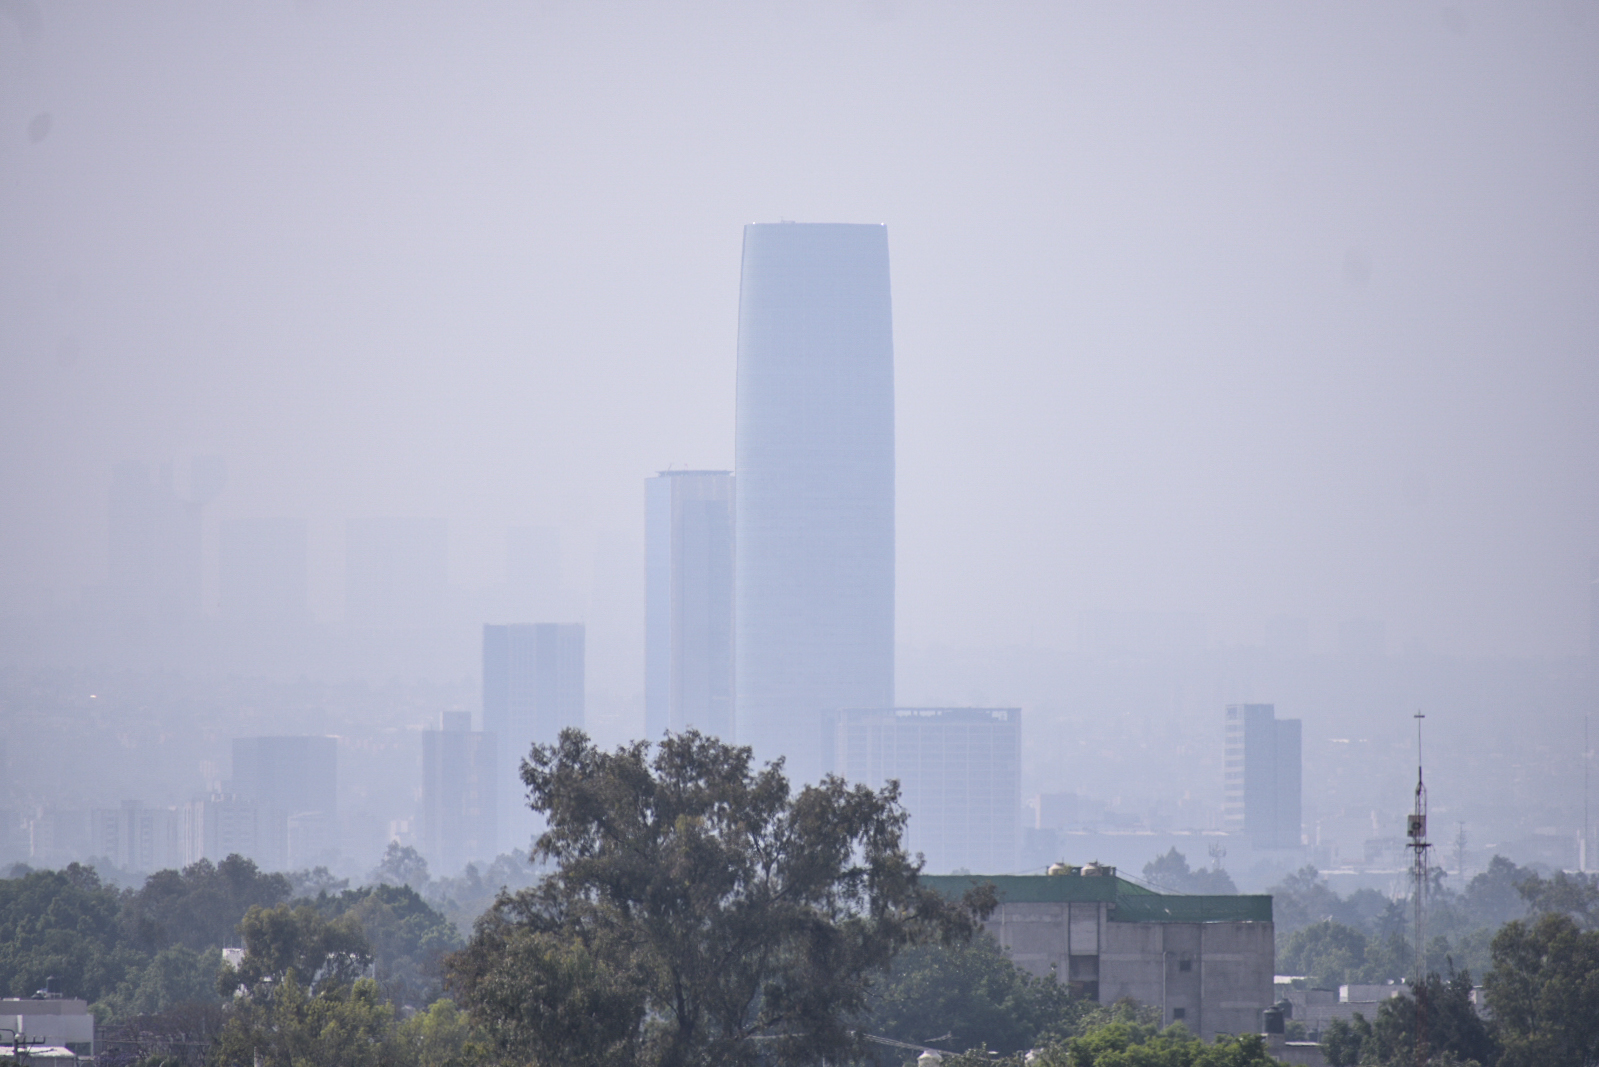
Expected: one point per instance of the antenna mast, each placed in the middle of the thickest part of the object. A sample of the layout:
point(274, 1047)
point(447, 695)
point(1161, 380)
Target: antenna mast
point(1416, 831)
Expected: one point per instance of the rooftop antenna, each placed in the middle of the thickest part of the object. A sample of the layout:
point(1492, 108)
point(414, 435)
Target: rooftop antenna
point(1416, 831)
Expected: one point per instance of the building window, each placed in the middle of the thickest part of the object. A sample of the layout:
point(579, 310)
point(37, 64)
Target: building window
point(1185, 965)
point(1179, 1013)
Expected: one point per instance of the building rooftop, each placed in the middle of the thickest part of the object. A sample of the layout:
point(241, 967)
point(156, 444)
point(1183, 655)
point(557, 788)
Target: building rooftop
point(1129, 902)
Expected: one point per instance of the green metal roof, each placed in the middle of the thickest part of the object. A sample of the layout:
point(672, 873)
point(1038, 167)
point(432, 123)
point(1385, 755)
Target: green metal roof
point(1132, 903)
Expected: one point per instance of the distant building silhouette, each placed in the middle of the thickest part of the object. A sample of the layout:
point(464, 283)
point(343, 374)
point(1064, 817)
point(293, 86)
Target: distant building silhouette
point(814, 455)
point(264, 575)
point(688, 581)
point(1262, 776)
point(533, 688)
point(459, 812)
point(394, 573)
point(959, 771)
point(154, 561)
point(533, 572)
point(293, 784)
point(137, 838)
point(218, 825)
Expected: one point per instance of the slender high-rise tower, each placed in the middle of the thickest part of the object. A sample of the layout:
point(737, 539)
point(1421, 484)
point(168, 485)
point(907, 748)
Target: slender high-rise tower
point(688, 603)
point(814, 515)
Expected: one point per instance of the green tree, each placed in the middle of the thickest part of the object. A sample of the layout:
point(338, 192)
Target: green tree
point(401, 865)
point(443, 1036)
point(408, 938)
point(63, 923)
point(282, 943)
point(175, 975)
point(286, 1026)
point(1329, 953)
point(1171, 872)
point(697, 913)
point(1576, 895)
point(1120, 1038)
point(969, 995)
point(201, 905)
point(1455, 1033)
point(1544, 992)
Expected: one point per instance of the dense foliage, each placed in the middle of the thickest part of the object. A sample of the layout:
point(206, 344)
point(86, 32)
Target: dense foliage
point(1366, 936)
point(1171, 874)
point(697, 912)
point(1125, 1036)
point(968, 995)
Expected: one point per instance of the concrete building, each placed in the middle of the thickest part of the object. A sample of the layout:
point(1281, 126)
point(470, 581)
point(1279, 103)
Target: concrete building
point(688, 603)
point(289, 780)
point(50, 1021)
point(459, 807)
point(814, 456)
point(533, 688)
point(1262, 776)
point(1318, 1007)
point(1204, 961)
point(219, 825)
point(394, 573)
point(137, 838)
point(264, 573)
point(959, 771)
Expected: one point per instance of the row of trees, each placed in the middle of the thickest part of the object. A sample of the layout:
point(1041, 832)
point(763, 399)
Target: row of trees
point(696, 912)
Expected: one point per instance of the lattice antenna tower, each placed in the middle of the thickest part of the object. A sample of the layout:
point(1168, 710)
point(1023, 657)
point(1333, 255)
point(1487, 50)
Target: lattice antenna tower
point(1416, 832)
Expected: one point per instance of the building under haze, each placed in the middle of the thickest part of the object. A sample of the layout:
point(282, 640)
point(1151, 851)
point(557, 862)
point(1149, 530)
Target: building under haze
point(532, 690)
point(1207, 962)
point(1262, 773)
point(459, 812)
point(959, 771)
point(394, 573)
point(137, 838)
point(688, 595)
point(814, 515)
point(292, 782)
point(154, 541)
point(264, 575)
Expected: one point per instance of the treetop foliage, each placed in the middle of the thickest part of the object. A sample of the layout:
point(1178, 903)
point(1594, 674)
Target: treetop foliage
point(1171, 873)
point(697, 912)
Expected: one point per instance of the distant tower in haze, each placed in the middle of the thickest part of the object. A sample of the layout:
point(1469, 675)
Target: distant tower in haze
point(459, 809)
point(293, 783)
point(959, 771)
point(814, 517)
point(1262, 776)
point(688, 610)
point(154, 572)
point(264, 572)
point(532, 690)
point(394, 573)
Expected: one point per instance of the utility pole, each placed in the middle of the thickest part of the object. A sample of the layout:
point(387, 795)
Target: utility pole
point(1416, 831)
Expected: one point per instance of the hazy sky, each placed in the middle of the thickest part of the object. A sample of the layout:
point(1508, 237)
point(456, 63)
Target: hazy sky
point(1243, 310)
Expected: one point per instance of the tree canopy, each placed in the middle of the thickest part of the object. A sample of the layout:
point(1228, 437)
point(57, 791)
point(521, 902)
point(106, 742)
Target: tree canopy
point(697, 912)
point(1171, 873)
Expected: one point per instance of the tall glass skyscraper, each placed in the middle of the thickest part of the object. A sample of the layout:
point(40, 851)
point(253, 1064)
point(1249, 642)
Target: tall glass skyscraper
point(814, 515)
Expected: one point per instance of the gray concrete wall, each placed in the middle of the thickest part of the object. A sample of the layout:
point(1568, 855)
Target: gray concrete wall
point(1215, 978)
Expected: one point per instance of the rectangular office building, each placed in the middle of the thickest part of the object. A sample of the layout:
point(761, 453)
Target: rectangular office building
point(959, 771)
point(459, 816)
point(1262, 774)
point(688, 583)
point(532, 690)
